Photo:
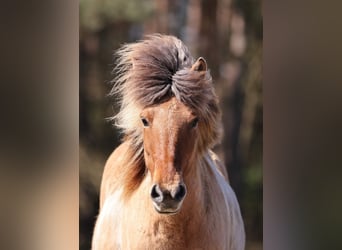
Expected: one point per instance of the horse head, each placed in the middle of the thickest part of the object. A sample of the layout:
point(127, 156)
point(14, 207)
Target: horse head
point(170, 139)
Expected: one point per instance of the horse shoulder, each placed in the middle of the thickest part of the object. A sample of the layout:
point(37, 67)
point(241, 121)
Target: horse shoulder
point(112, 170)
point(107, 230)
point(235, 223)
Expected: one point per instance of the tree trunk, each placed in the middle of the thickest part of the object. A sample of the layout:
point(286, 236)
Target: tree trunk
point(209, 35)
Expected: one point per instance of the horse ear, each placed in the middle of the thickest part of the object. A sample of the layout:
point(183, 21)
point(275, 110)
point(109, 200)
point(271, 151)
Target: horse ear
point(200, 65)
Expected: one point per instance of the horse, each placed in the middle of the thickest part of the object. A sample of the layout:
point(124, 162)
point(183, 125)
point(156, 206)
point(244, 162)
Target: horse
point(163, 187)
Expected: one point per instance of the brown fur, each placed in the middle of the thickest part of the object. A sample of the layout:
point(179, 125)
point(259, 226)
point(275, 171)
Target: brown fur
point(159, 81)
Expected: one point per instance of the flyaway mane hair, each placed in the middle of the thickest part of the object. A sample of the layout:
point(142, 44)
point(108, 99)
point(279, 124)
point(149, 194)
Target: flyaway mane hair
point(154, 70)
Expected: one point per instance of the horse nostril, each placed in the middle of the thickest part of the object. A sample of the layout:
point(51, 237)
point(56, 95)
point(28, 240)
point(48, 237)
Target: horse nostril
point(180, 192)
point(156, 193)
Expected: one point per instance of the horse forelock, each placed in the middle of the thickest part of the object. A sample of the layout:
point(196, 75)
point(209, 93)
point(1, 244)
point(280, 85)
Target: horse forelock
point(152, 71)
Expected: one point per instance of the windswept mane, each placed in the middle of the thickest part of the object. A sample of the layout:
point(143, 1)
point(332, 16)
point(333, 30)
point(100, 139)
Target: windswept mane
point(152, 71)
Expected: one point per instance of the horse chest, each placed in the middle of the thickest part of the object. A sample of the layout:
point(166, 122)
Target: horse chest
point(166, 235)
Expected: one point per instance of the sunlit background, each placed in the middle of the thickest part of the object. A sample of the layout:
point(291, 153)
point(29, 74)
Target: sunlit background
point(228, 34)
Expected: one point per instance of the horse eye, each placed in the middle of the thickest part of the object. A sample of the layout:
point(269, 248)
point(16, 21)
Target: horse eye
point(194, 123)
point(145, 122)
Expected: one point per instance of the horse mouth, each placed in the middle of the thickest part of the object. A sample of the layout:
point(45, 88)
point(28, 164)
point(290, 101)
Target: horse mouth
point(161, 209)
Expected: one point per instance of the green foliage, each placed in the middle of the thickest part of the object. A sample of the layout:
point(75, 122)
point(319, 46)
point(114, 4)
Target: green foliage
point(252, 201)
point(254, 176)
point(95, 14)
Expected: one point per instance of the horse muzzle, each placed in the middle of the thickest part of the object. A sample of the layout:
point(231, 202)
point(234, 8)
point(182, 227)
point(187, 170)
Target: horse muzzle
point(168, 201)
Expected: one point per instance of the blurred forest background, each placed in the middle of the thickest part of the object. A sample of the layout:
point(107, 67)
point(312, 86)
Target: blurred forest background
point(228, 34)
